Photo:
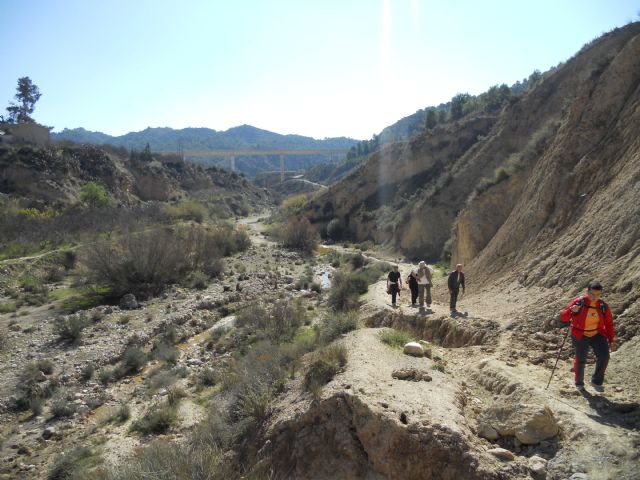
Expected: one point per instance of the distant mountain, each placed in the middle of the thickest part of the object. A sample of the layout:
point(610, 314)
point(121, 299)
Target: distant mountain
point(169, 140)
point(241, 137)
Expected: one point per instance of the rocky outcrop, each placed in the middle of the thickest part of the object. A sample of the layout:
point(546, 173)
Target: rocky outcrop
point(341, 438)
point(530, 424)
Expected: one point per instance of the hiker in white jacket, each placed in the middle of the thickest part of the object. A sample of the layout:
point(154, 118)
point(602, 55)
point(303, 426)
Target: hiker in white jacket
point(424, 283)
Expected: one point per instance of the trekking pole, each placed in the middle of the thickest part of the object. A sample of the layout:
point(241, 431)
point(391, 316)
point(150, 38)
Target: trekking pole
point(558, 358)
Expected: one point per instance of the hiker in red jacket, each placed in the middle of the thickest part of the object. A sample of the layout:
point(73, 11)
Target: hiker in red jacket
point(591, 326)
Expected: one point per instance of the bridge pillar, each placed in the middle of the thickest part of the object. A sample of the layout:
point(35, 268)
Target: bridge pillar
point(281, 168)
point(232, 163)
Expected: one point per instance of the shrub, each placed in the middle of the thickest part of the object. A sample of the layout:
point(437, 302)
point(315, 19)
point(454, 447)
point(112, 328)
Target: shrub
point(106, 375)
point(145, 263)
point(299, 234)
point(394, 338)
point(278, 325)
point(94, 195)
point(133, 359)
point(439, 367)
point(87, 372)
point(68, 466)
point(197, 280)
point(161, 378)
point(254, 404)
point(122, 413)
point(45, 366)
point(329, 361)
point(163, 350)
point(338, 323)
point(345, 291)
point(36, 405)
point(208, 377)
point(357, 260)
point(186, 210)
point(70, 328)
point(61, 406)
point(158, 419)
point(294, 204)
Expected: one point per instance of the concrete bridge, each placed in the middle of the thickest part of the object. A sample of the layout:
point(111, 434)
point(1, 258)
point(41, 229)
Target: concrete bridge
point(233, 154)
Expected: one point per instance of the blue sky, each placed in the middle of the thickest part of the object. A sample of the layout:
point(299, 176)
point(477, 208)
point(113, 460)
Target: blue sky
point(322, 68)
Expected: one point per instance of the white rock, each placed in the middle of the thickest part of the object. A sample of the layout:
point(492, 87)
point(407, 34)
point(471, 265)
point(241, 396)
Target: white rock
point(414, 348)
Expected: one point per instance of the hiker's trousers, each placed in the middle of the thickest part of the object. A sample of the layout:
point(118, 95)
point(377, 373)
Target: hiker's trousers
point(414, 294)
point(453, 298)
point(600, 347)
point(394, 290)
point(421, 290)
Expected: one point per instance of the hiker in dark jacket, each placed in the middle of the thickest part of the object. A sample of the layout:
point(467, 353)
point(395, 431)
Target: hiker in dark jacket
point(591, 326)
point(455, 281)
point(412, 281)
point(394, 284)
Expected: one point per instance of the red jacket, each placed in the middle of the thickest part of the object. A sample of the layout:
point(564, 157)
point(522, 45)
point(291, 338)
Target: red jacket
point(605, 327)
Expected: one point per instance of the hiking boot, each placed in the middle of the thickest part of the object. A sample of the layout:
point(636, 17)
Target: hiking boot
point(596, 387)
point(580, 387)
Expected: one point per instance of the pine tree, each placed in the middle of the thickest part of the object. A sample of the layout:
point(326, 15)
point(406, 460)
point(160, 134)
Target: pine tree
point(27, 95)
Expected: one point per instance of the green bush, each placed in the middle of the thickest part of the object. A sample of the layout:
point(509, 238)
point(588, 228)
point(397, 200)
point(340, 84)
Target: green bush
point(70, 328)
point(394, 338)
point(94, 195)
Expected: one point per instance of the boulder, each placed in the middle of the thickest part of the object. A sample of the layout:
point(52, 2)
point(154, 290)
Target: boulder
point(530, 424)
point(128, 302)
point(414, 348)
point(502, 454)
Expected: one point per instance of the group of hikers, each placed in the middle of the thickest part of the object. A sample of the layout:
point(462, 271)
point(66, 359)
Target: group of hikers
point(589, 317)
point(420, 280)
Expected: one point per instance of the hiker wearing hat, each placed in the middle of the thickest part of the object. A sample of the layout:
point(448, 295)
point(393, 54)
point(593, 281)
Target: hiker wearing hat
point(454, 282)
point(424, 275)
point(394, 284)
point(591, 326)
